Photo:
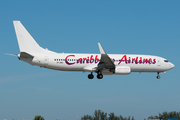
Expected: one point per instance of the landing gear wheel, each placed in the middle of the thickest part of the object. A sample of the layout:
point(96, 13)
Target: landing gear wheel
point(91, 76)
point(99, 76)
point(158, 77)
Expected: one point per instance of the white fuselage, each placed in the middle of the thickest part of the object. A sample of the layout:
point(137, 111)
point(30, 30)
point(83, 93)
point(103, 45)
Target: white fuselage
point(77, 62)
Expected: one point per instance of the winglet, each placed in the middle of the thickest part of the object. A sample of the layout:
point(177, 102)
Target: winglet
point(101, 49)
point(105, 61)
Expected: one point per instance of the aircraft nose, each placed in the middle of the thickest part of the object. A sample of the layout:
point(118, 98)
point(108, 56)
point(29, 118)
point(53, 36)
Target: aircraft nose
point(171, 65)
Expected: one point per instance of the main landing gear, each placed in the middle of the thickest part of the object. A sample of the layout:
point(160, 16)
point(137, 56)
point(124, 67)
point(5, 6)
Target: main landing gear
point(99, 76)
point(158, 77)
point(91, 76)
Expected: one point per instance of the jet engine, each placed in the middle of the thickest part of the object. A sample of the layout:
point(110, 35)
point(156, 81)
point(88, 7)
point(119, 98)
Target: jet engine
point(122, 70)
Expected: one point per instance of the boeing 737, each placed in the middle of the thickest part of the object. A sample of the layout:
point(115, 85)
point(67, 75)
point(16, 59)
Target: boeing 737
point(102, 64)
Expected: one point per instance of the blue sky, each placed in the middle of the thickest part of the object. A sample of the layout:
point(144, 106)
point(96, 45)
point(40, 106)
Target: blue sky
point(122, 27)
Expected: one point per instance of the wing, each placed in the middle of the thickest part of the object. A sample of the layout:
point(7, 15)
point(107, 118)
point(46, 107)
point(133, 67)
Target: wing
point(105, 61)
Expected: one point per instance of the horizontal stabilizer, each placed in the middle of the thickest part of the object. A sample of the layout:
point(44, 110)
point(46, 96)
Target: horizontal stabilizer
point(26, 55)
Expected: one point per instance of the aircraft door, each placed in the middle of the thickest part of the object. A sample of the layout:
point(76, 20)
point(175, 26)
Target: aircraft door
point(46, 59)
point(158, 63)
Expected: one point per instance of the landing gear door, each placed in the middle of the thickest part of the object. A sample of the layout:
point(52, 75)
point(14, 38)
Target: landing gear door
point(46, 59)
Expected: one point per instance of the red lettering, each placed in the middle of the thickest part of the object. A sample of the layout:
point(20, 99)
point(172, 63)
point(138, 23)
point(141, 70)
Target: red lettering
point(154, 61)
point(140, 61)
point(96, 59)
point(122, 59)
point(129, 61)
point(113, 60)
point(91, 59)
point(150, 60)
point(87, 61)
point(79, 60)
point(136, 62)
point(67, 60)
point(133, 59)
point(145, 60)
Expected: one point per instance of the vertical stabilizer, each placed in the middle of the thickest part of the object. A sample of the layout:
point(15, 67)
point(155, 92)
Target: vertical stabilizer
point(25, 40)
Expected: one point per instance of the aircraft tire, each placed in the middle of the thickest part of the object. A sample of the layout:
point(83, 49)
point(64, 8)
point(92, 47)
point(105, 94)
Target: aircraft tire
point(99, 76)
point(158, 77)
point(90, 76)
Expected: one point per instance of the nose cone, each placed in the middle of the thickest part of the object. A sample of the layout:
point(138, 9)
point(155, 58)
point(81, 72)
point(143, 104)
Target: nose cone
point(171, 65)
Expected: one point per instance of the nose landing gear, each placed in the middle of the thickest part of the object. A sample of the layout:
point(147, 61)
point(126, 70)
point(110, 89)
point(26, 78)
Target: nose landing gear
point(158, 77)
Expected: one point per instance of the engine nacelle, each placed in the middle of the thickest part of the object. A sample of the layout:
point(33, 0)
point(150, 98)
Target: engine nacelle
point(122, 70)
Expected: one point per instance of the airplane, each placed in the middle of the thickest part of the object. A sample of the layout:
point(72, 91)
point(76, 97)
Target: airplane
point(102, 64)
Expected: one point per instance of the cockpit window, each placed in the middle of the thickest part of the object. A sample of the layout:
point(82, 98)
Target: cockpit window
point(165, 60)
